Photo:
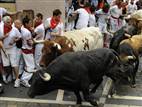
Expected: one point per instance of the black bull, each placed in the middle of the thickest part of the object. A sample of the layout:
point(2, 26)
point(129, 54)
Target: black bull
point(75, 71)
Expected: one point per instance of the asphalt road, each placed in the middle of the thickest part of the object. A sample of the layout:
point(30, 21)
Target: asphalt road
point(125, 97)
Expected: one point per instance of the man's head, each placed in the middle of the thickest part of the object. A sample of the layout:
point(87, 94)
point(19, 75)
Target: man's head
point(18, 24)
point(27, 22)
point(57, 15)
point(7, 20)
point(38, 19)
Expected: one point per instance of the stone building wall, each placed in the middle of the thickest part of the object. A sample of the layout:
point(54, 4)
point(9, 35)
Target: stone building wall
point(44, 6)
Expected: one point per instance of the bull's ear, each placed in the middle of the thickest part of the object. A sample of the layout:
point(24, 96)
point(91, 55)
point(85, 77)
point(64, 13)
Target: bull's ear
point(45, 77)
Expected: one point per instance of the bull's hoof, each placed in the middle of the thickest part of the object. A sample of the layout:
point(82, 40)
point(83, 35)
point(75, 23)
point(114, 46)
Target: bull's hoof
point(31, 95)
point(1, 89)
point(94, 103)
point(133, 86)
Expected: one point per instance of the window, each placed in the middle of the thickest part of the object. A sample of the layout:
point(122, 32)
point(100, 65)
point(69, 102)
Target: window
point(7, 1)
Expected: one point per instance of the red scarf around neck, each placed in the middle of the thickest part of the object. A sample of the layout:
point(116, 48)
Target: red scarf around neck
point(53, 23)
point(7, 29)
point(37, 24)
point(88, 10)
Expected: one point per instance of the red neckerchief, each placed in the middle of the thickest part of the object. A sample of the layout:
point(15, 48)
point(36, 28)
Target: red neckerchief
point(53, 23)
point(7, 29)
point(88, 10)
point(37, 24)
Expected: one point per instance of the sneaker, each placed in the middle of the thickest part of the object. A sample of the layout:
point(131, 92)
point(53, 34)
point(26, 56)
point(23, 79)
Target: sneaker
point(25, 83)
point(17, 83)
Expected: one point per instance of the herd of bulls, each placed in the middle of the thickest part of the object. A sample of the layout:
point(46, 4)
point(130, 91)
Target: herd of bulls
point(66, 63)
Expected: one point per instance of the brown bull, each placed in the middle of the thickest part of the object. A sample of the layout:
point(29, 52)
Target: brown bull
point(135, 42)
point(53, 48)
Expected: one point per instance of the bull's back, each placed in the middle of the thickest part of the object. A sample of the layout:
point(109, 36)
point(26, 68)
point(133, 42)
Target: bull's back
point(135, 42)
point(85, 39)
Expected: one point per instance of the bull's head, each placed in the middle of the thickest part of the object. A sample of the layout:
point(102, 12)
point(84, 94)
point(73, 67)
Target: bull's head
point(119, 70)
point(50, 51)
point(41, 83)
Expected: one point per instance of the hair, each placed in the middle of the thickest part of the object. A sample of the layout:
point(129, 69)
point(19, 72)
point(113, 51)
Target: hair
point(87, 4)
point(39, 15)
point(57, 12)
point(92, 9)
point(6, 19)
point(25, 20)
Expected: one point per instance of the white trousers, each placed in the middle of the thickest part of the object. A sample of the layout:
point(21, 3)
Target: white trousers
point(9, 57)
point(38, 53)
point(29, 66)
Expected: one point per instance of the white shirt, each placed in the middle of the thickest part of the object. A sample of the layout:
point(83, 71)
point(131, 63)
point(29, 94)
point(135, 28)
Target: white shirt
point(40, 31)
point(131, 8)
point(115, 11)
point(58, 29)
point(26, 35)
point(2, 11)
point(83, 19)
point(14, 33)
point(92, 20)
point(102, 16)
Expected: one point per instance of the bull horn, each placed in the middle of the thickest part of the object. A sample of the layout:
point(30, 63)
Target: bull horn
point(57, 45)
point(38, 41)
point(45, 77)
point(127, 35)
point(130, 57)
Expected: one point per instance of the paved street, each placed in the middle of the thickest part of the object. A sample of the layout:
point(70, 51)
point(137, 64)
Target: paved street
point(125, 97)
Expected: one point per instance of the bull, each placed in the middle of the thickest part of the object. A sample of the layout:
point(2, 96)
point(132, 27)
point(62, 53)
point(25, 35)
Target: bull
point(121, 34)
point(75, 71)
point(131, 47)
point(72, 41)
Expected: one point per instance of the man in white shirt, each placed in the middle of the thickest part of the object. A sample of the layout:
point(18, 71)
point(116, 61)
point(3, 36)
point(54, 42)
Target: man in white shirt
point(39, 35)
point(115, 13)
point(27, 52)
point(2, 12)
point(83, 17)
point(132, 7)
point(9, 36)
point(53, 25)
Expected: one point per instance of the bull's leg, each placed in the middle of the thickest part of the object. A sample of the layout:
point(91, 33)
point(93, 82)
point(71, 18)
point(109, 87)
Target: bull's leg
point(88, 97)
point(96, 85)
point(114, 85)
point(79, 99)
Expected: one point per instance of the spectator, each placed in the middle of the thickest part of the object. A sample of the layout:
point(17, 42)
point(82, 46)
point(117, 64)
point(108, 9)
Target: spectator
point(53, 25)
point(103, 15)
point(39, 35)
point(83, 16)
point(132, 7)
point(9, 36)
point(115, 16)
point(3, 11)
point(70, 20)
point(92, 18)
point(27, 52)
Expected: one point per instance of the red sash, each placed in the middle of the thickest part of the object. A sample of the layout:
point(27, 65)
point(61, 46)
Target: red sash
point(28, 51)
point(7, 29)
point(118, 21)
